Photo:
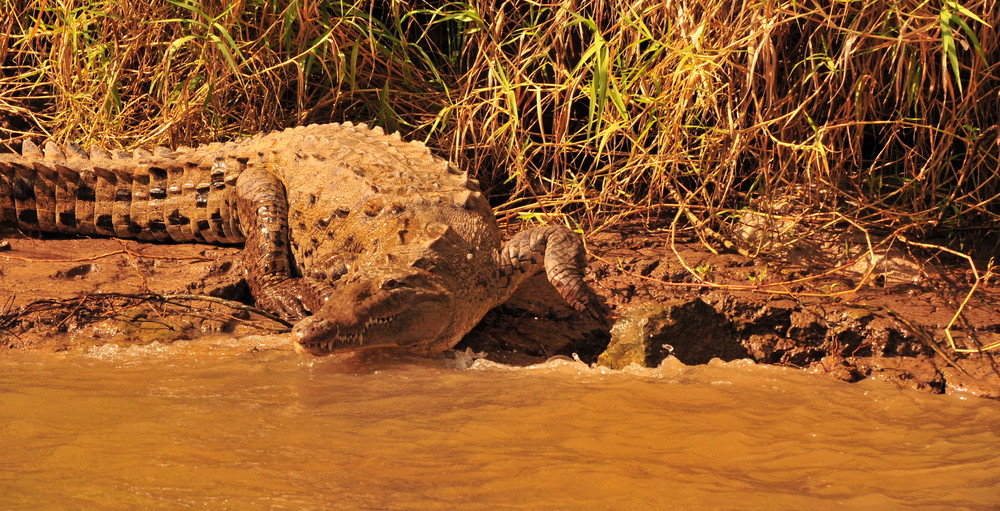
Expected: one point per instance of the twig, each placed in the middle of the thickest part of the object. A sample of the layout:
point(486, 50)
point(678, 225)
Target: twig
point(965, 301)
point(228, 303)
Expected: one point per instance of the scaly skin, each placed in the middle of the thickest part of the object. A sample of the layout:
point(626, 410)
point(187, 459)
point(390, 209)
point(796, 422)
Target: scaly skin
point(366, 240)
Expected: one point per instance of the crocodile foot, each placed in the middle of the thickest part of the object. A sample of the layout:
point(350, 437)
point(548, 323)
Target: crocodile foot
point(291, 298)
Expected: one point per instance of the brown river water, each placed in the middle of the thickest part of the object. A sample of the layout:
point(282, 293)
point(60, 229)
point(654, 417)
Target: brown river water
point(247, 424)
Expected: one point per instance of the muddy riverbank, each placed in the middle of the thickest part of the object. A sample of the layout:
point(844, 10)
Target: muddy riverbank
point(835, 315)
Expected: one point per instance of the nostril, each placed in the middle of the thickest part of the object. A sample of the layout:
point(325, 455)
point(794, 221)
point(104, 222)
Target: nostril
point(306, 329)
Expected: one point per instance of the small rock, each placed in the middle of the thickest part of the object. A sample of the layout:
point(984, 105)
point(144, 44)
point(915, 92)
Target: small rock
point(80, 271)
point(690, 330)
point(835, 366)
point(4, 246)
point(858, 314)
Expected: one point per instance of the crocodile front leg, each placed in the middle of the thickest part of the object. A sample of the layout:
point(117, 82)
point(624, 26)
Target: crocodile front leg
point(560, 253)
point(263, 213)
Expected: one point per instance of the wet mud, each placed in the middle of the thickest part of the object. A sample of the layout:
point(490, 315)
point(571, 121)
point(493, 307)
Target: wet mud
point(810, 309)
point(668, 296)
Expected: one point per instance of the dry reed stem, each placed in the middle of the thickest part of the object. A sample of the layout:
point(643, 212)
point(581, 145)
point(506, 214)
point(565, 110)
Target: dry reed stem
point(979, 280)
point(603, 107)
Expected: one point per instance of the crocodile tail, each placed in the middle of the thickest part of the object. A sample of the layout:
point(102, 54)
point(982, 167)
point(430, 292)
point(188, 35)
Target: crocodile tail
point(560, 253)
point(54, 189)
point(152, 196)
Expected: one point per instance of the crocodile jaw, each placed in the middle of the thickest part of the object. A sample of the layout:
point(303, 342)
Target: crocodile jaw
point(367, 314)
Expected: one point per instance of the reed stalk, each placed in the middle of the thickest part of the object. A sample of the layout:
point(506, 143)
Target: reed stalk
point(881, 112)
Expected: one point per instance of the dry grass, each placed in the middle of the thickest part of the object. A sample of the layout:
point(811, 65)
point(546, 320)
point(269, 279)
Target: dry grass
point(883, 113)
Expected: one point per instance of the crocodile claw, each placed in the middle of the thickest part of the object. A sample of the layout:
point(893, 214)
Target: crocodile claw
point(286, 298)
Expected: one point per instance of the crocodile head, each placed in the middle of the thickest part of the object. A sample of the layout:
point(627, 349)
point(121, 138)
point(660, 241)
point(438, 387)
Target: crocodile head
point(379, 308)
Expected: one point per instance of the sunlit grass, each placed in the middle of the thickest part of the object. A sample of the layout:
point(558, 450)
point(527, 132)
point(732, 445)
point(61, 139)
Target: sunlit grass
point(884, 113)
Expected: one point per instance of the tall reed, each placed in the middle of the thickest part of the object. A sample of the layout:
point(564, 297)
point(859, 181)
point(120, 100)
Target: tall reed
point(879, 113)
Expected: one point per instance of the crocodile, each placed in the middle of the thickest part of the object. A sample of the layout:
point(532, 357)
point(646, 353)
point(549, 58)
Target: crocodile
point(359, 237)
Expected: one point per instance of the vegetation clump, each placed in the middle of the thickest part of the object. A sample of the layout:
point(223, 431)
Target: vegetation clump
point(881, 115)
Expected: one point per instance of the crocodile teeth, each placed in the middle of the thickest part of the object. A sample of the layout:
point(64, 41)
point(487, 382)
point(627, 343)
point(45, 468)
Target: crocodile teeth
point(357, 339)
point(377, 321)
